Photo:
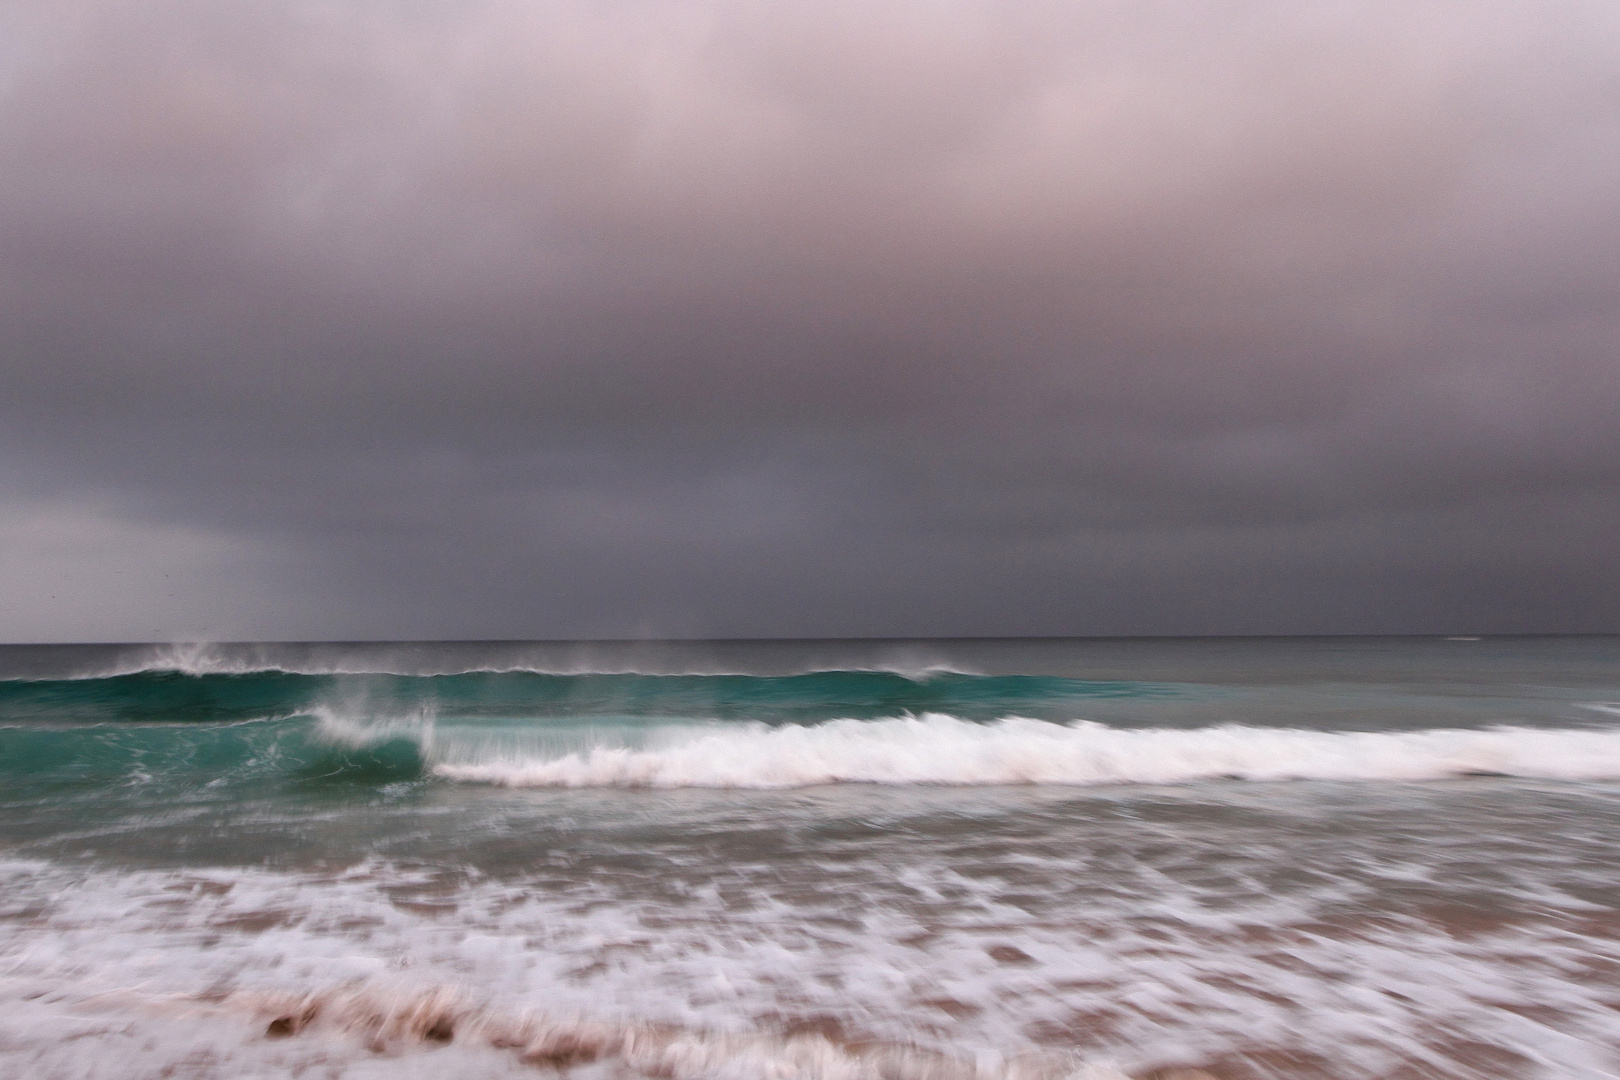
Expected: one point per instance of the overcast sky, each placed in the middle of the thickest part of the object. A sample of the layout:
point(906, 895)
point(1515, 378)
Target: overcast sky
point(606, 318)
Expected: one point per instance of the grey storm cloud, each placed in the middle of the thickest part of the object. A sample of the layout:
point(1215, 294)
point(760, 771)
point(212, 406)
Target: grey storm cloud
point(492, 318)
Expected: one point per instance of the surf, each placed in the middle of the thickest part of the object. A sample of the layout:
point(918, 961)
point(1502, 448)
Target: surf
point(947, 750)
point(167, 695)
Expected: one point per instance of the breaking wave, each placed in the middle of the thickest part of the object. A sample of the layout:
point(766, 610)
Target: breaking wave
point(940, 749)
point(172, 695)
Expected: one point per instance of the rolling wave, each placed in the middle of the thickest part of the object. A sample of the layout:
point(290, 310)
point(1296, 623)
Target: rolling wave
point(335, 746)
point(946, 750)
point(168, 696)
point(186, 719)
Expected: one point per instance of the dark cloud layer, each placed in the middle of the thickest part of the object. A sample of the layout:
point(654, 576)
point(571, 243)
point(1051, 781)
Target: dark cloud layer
point(495, 318)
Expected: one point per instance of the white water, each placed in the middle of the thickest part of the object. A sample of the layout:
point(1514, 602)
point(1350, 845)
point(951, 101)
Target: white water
point(937, 749)
point(112, 974)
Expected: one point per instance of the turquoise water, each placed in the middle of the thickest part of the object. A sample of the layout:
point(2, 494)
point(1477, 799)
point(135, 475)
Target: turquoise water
point(1303, 857)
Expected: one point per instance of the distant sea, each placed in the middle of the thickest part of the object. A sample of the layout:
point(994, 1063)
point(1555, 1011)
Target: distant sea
point(812, 860)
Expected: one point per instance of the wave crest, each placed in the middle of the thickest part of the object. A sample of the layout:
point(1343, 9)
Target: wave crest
point(940, 749)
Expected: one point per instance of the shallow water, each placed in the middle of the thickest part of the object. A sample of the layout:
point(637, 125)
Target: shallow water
point(1326, 858)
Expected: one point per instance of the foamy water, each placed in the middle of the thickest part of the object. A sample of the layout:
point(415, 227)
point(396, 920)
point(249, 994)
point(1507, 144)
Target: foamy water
point(945, 750)
point(979, 947)
point(853, 874)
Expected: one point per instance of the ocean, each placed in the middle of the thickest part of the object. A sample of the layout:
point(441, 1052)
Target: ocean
point(812, 860)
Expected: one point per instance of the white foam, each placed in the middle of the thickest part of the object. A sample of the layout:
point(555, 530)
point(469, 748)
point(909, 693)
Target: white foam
point(937, 749)
point(106, 974)
point(356, 726)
